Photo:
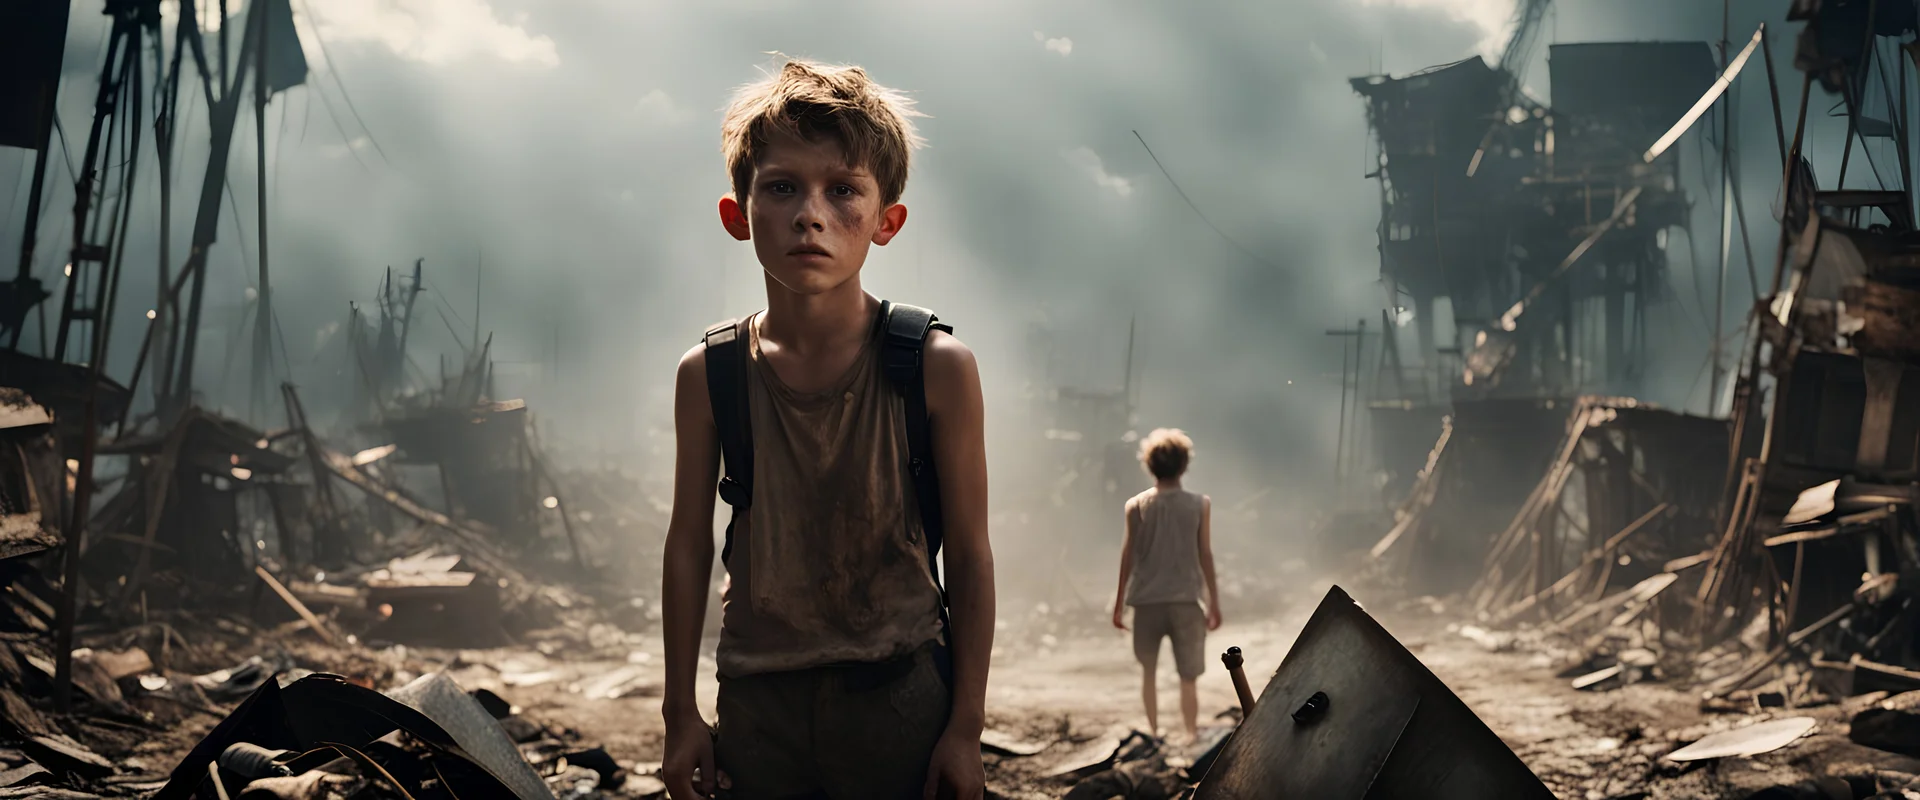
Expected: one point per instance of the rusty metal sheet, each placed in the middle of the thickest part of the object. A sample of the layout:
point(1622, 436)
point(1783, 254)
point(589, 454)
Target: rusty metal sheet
point(1352, 714)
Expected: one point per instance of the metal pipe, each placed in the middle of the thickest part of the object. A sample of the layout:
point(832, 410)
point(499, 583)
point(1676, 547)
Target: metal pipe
point(1236, 667)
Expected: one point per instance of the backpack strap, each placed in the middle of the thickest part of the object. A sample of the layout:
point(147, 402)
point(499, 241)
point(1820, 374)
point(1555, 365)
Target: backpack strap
point(726, 356)
point(905, 329)
point(901, 354)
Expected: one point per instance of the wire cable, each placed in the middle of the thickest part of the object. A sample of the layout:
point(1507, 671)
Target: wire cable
point(1196, 209)
point(333, 71)
point(344, 138)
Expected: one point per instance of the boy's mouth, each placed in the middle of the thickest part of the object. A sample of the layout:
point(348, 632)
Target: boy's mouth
point(809, 250)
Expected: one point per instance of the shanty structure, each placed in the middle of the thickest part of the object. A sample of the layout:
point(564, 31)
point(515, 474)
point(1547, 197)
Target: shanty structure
point(1796, 516)
point(1544, 230)
point(377, 348)
point(1488, 456)
point(1631, 492)
point(178, 510)
point(485, 457)
point(1821, 494)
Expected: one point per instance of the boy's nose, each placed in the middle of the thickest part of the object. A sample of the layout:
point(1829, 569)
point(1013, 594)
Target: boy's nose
point(808, 220)
point(811, 215)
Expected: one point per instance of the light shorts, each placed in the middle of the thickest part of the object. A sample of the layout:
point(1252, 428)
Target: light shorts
point(1184, 623)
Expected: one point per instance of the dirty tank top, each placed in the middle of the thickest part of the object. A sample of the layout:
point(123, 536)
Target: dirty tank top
point(829, 563)
point(1166, 547)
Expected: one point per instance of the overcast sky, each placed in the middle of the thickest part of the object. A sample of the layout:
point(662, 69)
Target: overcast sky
point(572, 145)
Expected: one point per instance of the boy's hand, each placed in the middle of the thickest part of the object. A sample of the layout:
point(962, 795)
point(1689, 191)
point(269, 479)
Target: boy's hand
point(956, 772)
point(1213, 617)
point(1119, 616)
point(689, 747)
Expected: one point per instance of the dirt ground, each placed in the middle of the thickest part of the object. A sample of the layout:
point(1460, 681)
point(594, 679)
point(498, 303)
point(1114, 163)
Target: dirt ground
point(1065, 682)
point(1074, 691)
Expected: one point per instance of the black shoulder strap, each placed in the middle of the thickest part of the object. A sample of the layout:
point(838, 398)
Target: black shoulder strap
point(905, 332)
point(726, 353)
point(907, 329)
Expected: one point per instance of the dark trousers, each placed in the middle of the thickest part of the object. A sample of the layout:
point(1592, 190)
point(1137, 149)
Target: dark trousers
point(841, 732)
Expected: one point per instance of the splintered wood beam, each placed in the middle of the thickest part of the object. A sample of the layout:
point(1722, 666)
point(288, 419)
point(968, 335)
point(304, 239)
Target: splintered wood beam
point(1567, 581)
point(294, 602)
point(1793, 641)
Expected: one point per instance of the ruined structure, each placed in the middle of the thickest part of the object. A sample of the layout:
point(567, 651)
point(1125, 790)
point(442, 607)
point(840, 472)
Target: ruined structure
point(1545, 232)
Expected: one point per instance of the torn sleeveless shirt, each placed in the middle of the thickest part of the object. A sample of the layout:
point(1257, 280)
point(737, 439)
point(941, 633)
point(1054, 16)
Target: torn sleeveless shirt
point(828, 564)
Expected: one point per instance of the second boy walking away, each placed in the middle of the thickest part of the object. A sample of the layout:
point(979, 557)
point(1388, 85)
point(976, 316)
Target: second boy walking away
point(844, 671)
point(1166, 567)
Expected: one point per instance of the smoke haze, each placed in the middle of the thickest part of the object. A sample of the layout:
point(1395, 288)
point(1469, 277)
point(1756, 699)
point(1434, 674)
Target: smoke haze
point(556, 163)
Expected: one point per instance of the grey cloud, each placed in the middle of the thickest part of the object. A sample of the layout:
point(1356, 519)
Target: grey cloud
point(587, 185)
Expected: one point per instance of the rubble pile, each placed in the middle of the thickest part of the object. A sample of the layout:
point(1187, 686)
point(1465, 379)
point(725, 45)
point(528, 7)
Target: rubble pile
point(278, 600)
point(1765, 566)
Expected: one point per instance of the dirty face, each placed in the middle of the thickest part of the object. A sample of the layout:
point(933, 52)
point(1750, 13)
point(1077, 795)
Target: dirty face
point(811, 215)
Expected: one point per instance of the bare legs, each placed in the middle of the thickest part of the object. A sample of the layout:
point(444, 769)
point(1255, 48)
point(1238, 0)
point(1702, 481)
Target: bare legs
point(1151, 697)
point(1189, 703)
point(1190, 707)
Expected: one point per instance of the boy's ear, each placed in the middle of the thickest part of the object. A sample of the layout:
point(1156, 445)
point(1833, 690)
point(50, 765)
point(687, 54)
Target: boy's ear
point(733, 217)
point(892, 218)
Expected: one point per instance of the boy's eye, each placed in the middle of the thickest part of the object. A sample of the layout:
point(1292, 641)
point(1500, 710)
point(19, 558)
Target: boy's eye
point(781, 187)
point(843, 190)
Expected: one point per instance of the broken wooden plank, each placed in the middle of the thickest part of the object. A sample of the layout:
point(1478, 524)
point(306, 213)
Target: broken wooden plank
point(1793, 641)
point(1567, 581)
point(420, 580)
point(1869, 676)
point(1423, 495)
point(1684, 563)
point(294, 602)
point(469, 535)
point(1838, 527)
point(1641, 592)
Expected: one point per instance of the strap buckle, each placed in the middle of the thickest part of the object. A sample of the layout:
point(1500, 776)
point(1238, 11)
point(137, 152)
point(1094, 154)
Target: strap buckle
point(734, 494)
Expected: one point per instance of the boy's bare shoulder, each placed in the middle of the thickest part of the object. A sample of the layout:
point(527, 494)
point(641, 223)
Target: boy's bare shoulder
point(690, 388)
point(949, 362)
point(693, 364)
point(944, 350)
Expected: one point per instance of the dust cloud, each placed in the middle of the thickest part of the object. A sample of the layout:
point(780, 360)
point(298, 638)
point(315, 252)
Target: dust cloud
point(556, 164)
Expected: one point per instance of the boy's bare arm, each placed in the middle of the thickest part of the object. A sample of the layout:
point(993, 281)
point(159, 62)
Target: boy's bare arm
point(1126, 571)
point(1206, 561)
point(688, 568)
point(958, 417)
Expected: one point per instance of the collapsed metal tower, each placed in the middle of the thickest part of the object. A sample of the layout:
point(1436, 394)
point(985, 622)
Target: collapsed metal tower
point(1545, 230)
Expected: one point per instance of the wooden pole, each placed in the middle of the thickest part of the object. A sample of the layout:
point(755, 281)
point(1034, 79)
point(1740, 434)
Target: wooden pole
point(1773, 89)
point(1340, 435)
point(1726, 221)
point(263, 316)
point(206, 227)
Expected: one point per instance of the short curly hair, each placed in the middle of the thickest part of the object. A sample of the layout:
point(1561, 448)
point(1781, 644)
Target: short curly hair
point(810, 100)
point(1166, 453)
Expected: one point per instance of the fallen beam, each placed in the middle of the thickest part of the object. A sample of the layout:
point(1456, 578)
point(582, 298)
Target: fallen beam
point(294, 602)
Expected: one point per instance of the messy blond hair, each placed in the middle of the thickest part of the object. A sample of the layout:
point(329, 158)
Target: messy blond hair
point(811, 100)
point(1166, 452)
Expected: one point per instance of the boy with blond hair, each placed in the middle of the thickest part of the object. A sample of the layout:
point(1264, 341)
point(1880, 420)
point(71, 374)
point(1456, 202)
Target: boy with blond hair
point(851, 434)
point(1166, 562)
